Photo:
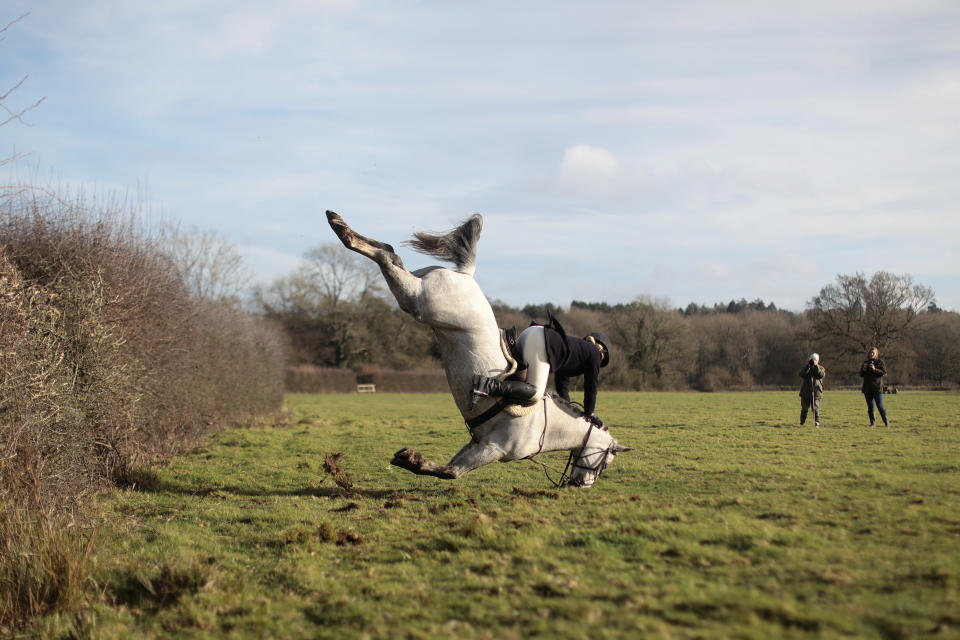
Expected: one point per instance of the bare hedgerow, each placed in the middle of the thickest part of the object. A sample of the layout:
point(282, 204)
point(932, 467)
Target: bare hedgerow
point(100, 305)
point(43, 445)
point(107, 362)
point(143, 366)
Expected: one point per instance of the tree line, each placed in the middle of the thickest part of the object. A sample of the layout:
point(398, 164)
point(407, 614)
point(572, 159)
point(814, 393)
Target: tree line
point(336, 313)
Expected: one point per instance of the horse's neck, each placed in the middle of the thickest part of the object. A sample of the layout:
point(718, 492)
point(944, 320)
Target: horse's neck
point(569, 432)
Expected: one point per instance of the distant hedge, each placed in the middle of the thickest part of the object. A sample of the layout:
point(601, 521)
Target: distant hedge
point(311, 379)
point(415, 381)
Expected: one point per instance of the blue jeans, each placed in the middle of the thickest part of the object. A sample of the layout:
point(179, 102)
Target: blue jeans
point(878, 398)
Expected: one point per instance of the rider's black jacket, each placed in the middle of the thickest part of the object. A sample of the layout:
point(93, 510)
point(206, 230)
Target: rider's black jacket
point(571, 357)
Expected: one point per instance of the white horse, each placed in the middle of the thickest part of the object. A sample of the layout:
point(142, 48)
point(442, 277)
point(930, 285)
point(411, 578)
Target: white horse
point(452, 304)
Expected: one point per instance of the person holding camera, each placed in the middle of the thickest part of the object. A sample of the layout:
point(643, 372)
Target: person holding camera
point(811, 390)
point(872, 372)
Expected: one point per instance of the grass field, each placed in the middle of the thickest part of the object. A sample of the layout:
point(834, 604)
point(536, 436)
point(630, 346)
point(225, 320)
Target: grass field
point(727, 520)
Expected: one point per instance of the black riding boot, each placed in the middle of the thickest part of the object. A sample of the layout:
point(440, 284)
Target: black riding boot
point(513, 391)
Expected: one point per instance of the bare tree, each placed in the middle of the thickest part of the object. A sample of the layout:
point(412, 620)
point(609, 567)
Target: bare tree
point(858, 313)
point(338, 275)
point(653, 337)
point(323, 305)
point(14, 113)
point(208, 263)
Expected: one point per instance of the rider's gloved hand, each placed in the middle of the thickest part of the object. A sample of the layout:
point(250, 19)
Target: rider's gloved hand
point(595, 420)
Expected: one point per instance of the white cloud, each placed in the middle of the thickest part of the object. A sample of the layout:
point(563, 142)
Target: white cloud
point(589, 169)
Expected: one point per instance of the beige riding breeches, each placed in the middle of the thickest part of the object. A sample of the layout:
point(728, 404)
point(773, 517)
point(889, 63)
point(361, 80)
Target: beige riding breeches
point(534, 347)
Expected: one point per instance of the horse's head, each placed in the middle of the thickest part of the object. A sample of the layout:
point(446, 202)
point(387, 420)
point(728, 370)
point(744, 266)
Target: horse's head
point(590, 460)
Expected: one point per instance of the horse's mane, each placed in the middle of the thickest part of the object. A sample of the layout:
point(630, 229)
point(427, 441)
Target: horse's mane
point(458, 246)
point(570, 408)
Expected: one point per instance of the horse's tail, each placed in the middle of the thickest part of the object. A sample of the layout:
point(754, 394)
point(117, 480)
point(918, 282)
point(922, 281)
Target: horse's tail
point(458, 246)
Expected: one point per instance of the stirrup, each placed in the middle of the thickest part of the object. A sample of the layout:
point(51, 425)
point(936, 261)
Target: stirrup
point(477, 392)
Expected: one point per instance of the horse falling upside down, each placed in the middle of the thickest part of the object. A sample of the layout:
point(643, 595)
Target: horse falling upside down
point(452, 304)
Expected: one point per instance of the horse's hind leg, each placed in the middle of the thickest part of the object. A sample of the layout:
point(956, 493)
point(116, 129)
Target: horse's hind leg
point(404, 286)
point(373, 249)
point(472, 456)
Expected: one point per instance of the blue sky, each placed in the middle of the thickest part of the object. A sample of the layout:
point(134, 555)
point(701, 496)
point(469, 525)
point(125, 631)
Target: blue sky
point(697, 151)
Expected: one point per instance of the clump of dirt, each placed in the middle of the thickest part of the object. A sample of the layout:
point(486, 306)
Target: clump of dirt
point(331, 464)
point(345, 538)
point(535, 493)
point(398, 500)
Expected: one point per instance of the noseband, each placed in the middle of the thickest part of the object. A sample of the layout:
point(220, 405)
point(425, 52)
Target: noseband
point(580, 460)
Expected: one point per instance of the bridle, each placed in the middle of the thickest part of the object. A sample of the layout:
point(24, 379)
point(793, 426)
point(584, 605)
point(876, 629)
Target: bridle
point(576, 460)
point(580, 460)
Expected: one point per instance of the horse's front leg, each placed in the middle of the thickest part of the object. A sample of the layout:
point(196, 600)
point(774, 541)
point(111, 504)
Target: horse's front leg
point(473, 456)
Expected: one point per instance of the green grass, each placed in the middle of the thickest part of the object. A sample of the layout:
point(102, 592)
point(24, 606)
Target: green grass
point(727, 520)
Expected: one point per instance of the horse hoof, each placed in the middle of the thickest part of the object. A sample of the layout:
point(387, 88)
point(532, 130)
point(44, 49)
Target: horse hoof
point(340, 228)
point(407, 458)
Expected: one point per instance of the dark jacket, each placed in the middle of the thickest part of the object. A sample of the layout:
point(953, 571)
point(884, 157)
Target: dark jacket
point(812, 375)
point(571, 357)
point(872, 378)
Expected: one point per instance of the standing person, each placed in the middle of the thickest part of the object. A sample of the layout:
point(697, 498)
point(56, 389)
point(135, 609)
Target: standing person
point(548, 348)
point(872, 372)
point(811, 390)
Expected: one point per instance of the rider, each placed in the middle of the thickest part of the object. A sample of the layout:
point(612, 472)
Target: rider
point(548, 348)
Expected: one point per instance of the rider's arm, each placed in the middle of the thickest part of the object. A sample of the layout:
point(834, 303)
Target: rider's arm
point(591, 376)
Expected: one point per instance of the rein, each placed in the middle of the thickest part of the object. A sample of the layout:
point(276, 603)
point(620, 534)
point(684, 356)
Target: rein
point(573, 461)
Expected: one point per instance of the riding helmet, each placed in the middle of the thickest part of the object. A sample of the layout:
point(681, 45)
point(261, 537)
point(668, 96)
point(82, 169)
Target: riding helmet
point(602, 338)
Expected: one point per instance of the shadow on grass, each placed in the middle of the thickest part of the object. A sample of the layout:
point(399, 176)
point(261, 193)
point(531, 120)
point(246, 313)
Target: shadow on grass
point(161, 585)
point(219, 490)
